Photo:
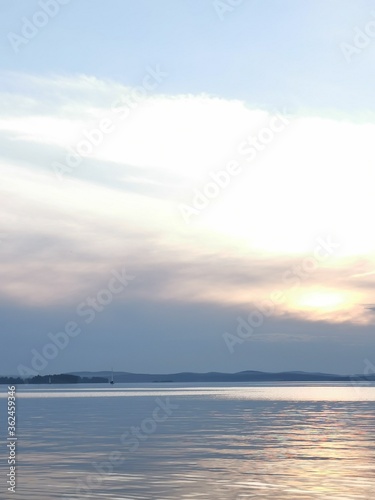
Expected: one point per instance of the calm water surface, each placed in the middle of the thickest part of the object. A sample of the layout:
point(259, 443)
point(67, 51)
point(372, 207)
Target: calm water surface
point(169, 441)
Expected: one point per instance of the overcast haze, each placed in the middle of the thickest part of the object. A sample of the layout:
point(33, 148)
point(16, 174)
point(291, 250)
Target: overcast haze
point(187, 185)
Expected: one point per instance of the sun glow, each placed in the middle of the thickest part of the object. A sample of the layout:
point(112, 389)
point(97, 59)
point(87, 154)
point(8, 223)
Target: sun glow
point(322, 300)
point(327, 304)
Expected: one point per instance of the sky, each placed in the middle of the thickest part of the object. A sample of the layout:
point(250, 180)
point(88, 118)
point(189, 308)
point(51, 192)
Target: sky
point(187, 186)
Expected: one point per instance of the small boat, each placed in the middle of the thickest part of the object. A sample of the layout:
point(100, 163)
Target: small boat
point(112, 381)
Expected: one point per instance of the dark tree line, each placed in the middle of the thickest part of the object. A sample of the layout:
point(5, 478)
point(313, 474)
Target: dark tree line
point(64, 378)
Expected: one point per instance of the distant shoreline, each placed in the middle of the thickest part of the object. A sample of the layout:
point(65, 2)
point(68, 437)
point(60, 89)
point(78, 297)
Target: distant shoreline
point(244, 376)
point(64, 378)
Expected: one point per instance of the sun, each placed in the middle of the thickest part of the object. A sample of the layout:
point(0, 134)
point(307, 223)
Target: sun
point(328, 304)
point(321, 300)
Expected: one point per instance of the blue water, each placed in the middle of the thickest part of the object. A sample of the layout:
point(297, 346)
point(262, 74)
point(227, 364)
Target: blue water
point(193, 441)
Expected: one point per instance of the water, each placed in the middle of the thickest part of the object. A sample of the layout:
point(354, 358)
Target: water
point(193, 441)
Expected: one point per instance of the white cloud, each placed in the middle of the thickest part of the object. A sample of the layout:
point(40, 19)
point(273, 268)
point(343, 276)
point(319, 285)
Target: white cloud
point(315, 178)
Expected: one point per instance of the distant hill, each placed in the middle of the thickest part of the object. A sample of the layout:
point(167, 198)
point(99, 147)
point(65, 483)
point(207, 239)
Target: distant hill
point(245, 376)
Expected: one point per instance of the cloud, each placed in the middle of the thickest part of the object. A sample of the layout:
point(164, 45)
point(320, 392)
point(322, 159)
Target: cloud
point(284, 337)
point(119, 207)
